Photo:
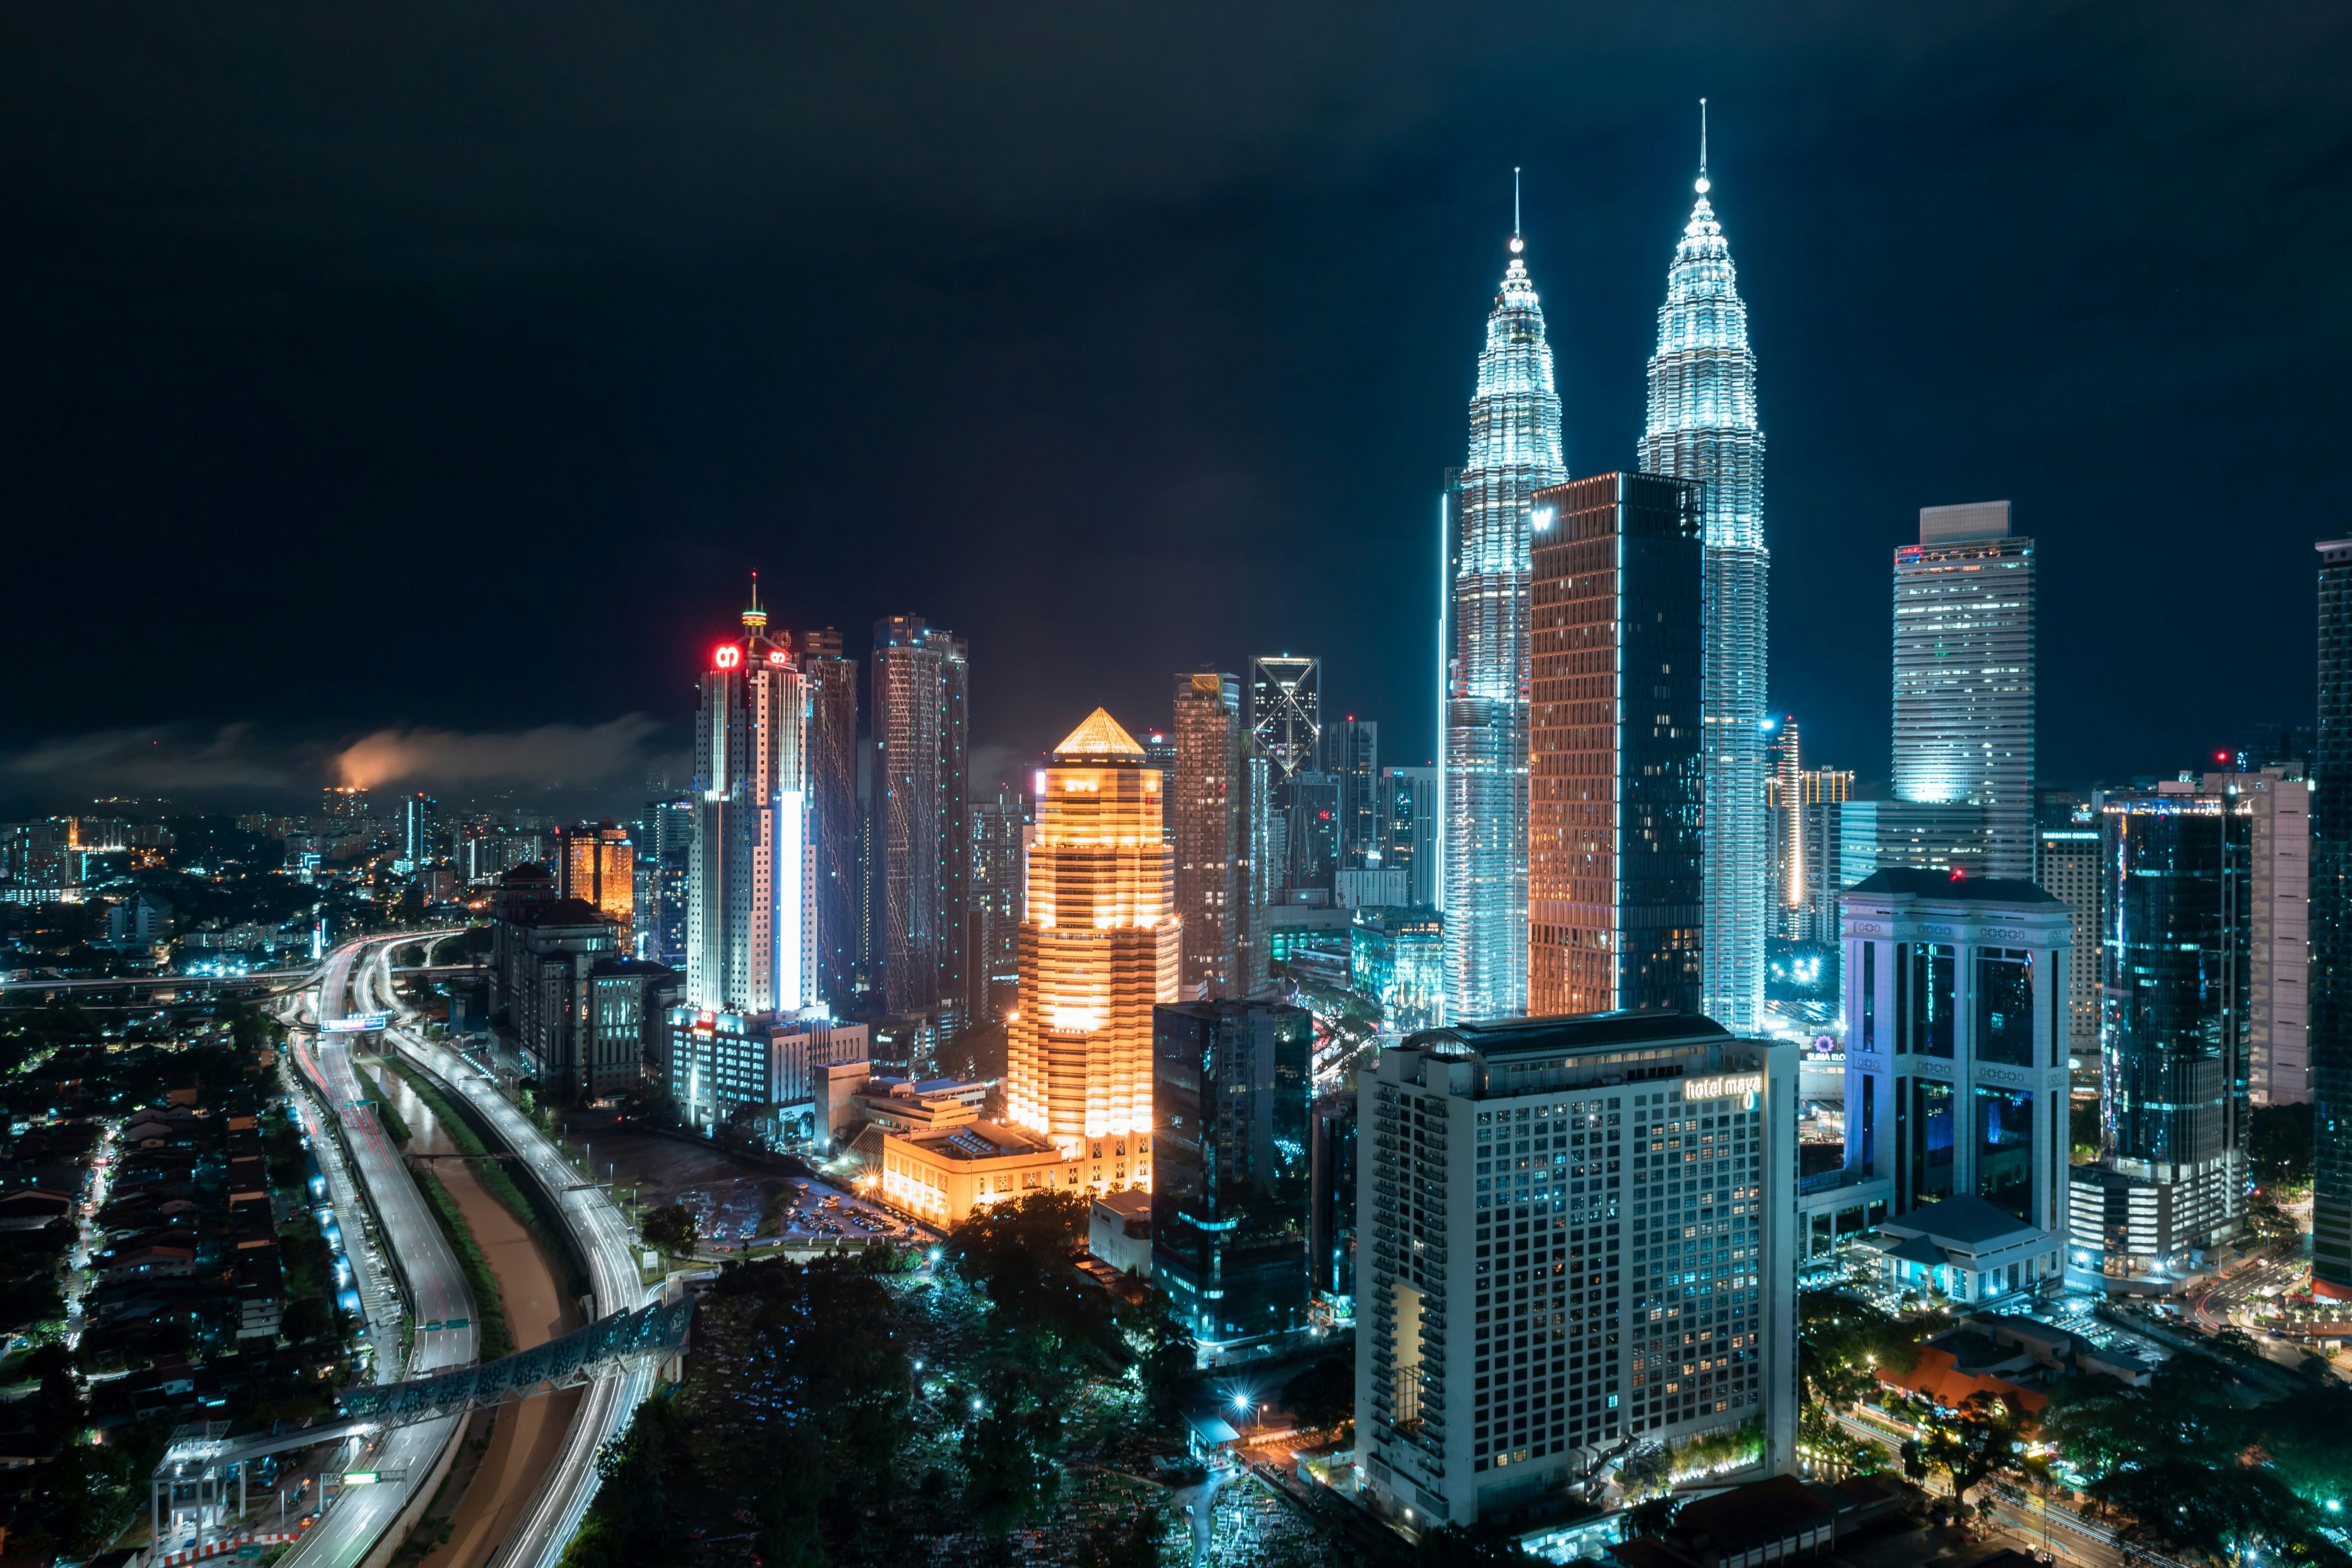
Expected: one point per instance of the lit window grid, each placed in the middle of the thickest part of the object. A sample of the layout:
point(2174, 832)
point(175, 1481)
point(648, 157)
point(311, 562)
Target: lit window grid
point(1099, 949)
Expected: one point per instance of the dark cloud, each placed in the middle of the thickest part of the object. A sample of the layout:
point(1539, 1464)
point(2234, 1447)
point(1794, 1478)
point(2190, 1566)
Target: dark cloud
point(453, 367)
point(561, 755)
point(608, 763)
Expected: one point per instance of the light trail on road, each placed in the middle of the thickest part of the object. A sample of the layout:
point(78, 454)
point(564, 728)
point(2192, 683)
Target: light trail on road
point(348, 1533)
point(607, 1241)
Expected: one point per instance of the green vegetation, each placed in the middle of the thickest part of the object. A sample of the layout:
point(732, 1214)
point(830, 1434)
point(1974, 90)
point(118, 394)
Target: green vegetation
point(2280, 1146)
point(493, 1175)
point(1841, 1343)
point(2082, 1131)
point(1471, 1546)
point(795, 1411)
point(85, 1494)
point(1709, 1451)
point(1324, 1396)
point(492, 1334)
point(1984, 1438)
point(672, 1229)
point(852, 1410)
point(395, 1127)
point(2193, 1464)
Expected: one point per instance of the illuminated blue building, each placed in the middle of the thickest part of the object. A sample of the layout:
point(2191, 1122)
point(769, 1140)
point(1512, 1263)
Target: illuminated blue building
point(1488, 525)
point(2176, 944)
point(1397, 957)
point(1964, 675)
point(1702, 426)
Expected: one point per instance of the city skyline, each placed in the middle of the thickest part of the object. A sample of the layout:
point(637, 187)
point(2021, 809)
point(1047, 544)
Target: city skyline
point(1825, 204)
point(931, 1016)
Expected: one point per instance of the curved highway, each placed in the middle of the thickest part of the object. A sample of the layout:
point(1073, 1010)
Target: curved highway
point(607, 1241)
point(347, 1532)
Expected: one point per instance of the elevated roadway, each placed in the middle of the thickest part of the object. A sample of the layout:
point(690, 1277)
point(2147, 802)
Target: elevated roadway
point(349, 1532)
point(607, 1242)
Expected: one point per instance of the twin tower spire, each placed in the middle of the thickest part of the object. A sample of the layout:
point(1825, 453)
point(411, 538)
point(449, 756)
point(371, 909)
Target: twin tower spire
point(1701, 426)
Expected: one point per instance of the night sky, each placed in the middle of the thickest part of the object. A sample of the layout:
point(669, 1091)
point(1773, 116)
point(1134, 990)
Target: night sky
point(433, 376)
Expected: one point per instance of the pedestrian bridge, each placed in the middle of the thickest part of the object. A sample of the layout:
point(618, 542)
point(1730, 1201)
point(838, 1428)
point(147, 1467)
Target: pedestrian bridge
point(654, 1332)
point(193, 1480)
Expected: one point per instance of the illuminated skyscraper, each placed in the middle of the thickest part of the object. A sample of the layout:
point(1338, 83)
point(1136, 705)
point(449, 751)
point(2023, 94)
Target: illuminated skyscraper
point(918, 718)
point(1099, 949)
point(1409, 813)
point(2330, 1066)
point(1286, 712)
point(1351, 756)
point(832, 812)
point(2176, 1034)
point(746, 910)
point(420, 829)
point(596, 864)
point(1208, 793)
point(665, 859)
point(1785, 805)
point(1964, 693)
point(1702, 426)
point(1515, 450)
point(1614, 788)
point(992, 953)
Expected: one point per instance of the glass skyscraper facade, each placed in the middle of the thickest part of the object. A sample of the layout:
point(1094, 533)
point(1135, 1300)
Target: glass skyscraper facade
point(1615, 787)
point(2177, 908)
point(1964, 694)
point(919, 711)
point(1207, 795)
point(1702, 426)
point(1515, 451)
point(833, 814)
point(1397, 957)
point(2331, 935)
point(1229, 1204)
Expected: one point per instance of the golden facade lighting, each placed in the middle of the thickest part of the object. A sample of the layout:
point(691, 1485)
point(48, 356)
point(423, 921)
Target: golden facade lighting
point(1100, 947)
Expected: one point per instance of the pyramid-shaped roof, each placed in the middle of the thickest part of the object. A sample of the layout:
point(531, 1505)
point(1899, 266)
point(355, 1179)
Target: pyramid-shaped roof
point(1099, 735)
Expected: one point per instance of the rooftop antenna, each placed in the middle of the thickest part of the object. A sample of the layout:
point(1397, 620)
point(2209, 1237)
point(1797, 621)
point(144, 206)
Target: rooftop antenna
point(1515, 198)
point(1702, 147)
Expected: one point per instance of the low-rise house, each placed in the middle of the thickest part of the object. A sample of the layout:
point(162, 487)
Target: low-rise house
point(30, 1207)
point(158, 1261)
point(1118, 1232)
point(1937, 1377)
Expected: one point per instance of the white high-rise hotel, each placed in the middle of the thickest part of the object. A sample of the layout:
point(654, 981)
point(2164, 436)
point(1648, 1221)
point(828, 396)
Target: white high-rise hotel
point(1702, 426)
point(1515, 451)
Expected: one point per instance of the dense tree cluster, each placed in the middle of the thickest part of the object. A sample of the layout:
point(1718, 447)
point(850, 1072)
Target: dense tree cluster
point(830, 1407)
point(2190, 1462)
point(784, 1437)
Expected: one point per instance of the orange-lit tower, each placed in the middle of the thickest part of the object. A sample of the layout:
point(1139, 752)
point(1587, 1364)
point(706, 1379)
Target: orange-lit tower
point(596, 864)
point(1099, 947)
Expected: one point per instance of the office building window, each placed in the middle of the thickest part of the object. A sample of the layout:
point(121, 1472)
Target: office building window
point(1931, 1140)
point(1870, 996)
point(2005, 1006)
point(1934, 968)
point(2005, 1150)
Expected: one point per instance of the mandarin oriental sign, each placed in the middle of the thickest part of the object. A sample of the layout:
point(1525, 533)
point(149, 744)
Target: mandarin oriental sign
point(1717, 1088)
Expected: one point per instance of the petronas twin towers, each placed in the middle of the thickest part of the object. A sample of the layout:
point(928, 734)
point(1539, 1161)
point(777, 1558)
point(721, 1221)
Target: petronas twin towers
point(1701, 426)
